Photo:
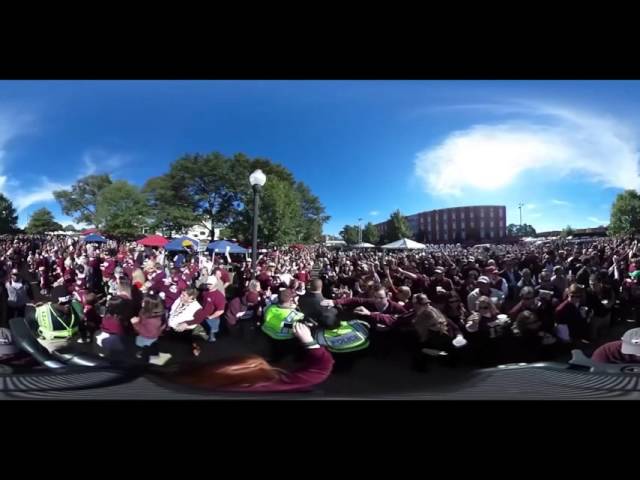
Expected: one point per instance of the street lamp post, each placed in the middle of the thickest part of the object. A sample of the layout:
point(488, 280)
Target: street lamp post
point(359, 230)
point(520, 205)
point(257, 180)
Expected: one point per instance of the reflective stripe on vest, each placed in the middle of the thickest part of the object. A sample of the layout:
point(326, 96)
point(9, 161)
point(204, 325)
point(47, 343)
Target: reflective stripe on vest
point(278, 322)
point(45, 323)
point(348, 337)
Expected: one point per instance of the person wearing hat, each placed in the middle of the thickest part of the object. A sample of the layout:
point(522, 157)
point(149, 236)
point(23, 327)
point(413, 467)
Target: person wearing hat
point(573, 316)
point(243, 314)
point(625, 350)
point(19, 293)
point(483, 288)
point(497, 281)
point(439, 286)
point(58, 320)
point(213, 305)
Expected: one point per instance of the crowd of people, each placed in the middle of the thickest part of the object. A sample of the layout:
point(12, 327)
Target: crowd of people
point(447, 304)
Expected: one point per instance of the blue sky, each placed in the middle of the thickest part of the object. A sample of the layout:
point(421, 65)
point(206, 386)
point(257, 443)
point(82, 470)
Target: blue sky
point(563, 148)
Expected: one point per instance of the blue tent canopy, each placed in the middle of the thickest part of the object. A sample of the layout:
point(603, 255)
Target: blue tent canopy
point(175, 245)
point(95, 238)
point(221, 246)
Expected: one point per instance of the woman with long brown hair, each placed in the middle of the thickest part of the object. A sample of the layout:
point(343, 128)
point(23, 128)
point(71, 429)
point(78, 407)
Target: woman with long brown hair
point(438, 337)
point(254, 374)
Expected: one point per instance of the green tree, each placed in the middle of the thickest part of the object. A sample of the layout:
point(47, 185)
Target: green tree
point(307, 212)
point(398, 227)
point(370, 234)
point(168, 211)
point(280, 216)
point(209, 186)
point(70, 228)
point(8, 216)
point(121, 210)
point(313, 214)
point(350, 234)
point(42, 221)
point(512, 230)
point(527, 230)
point(524, 230)
point(81, 200)
point(567, 231)
point(625, 214)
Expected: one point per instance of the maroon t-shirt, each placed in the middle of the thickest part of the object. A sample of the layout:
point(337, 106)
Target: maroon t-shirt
point(611, 353)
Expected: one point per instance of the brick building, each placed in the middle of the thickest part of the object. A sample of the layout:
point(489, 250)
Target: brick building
point(456, 225)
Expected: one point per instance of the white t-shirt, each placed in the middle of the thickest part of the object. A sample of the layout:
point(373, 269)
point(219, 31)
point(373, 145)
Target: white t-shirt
point(183, 313)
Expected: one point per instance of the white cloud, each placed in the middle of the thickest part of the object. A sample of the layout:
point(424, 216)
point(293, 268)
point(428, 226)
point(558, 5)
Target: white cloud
point(560, 202)
point(530, 206)
point(12, 124)
point(535, 215)
point(100, 161)
point(43, 193)
point(374, 213)
point(597, 221)
point(492, 156)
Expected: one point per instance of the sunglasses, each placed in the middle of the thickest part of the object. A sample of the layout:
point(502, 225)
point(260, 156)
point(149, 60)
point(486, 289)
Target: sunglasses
point(484, 307)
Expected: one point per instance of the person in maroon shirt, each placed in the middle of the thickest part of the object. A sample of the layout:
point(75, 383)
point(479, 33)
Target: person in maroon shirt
point(379, 308)
point(265, 277)
point(302, 275)
point(439, 286)
point(255, 374)
point(213, 305)
point(574, 313)
point(626, 350)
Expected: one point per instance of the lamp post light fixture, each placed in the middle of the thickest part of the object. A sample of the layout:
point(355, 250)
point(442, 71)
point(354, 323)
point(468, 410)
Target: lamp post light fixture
point(257, 180)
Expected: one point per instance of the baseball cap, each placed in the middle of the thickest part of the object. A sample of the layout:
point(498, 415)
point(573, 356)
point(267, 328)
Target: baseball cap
point(439, 270)
point(61, 295)
point(484, 279)
point(490, 270)
point(631, 342)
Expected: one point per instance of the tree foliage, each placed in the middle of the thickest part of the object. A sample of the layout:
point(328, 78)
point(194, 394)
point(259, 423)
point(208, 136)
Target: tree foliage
point(524, 230)
point(42, 221)
point(122, 210)
point(567, 231)
point(82, 199)
point(398, 227)
point(625, 214)
point(8, 216)
point(370, 234)
point(289, 211)
point(350, 234)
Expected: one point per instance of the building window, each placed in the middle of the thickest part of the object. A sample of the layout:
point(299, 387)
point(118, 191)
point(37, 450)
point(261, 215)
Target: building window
point(491, 212)
point(462, 214)
point(501, 213)
point(490, 234)
point(471, 214)
point(471, 225)
point(481, 223)
point(482, 212)
point(429, 227)
point(463, 235)
point(491, 223)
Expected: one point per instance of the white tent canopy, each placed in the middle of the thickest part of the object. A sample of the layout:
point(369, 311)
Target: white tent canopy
point(404, 244)
point(363, 245)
